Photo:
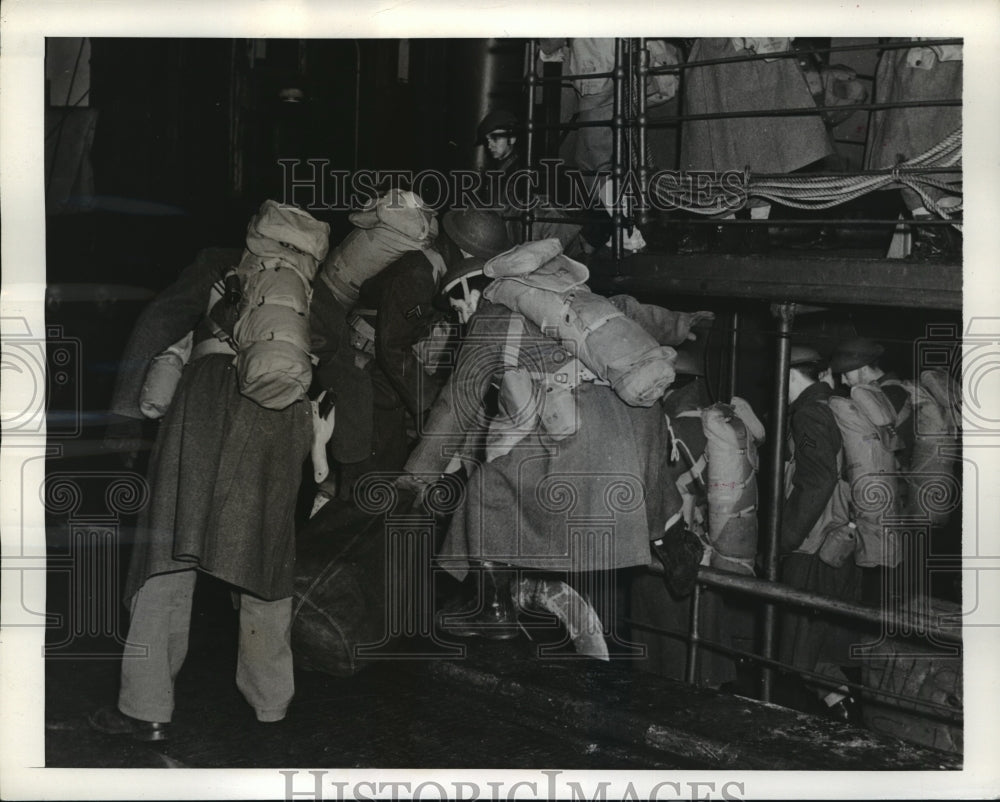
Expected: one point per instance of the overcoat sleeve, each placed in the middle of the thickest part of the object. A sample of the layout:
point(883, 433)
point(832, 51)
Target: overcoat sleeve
point(458, 418)
point(337, 373)
point(166, 319)
point(404, 310)
point(667, 327)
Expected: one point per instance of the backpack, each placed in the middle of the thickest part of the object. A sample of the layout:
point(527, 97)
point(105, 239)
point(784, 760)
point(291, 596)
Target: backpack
point(867, 426)
point(733, 432)
point(284, 246)
point(935, 406)
point(395, 224)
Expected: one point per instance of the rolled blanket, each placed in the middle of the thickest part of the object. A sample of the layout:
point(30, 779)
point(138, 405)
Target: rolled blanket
point(272, 332)
point(554, 297)
point(395, 224)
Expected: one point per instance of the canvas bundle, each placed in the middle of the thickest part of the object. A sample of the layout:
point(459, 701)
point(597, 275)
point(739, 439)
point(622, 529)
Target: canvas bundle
point(866, 422)
point(284, 246)
point(733, 433)
point(553, 297)
point(395, 224)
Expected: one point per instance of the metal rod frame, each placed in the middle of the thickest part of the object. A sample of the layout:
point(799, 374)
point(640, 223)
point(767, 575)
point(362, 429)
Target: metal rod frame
point(733, 365)
point(617, 130)
point(929, 709)
point(641, 123)
point(785, 312)
point(527, 218)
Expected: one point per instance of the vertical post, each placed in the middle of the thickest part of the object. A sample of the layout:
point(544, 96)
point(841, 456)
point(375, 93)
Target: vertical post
point(529, 136)
point(642, 216)
point(237, 55)
point(617, 152)
point(692, 654)
point(734, 339)
point(785, 312)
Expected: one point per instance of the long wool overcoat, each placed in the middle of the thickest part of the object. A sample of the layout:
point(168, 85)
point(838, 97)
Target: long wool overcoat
point(899, 134)
point(224, 472)
point(590, 501)
point(765, 144)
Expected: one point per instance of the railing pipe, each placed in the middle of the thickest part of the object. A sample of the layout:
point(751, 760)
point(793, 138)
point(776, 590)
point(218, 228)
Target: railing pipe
point(733, 365)
point(617, 131)
point(695, 637)
point(641, 122)
point(529, 136)
point(786, 112)
point(900, 621)
point(785, 312)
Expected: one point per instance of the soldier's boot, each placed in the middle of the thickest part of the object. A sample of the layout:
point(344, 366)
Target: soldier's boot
point(490, 615)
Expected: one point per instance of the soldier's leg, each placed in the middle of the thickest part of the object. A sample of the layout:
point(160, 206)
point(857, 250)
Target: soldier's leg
point(161, 621)
point(264, 664)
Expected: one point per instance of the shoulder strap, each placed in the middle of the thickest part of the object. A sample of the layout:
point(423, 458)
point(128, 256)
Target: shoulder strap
point(512, 344)
point(217, 295)
point(437, 263)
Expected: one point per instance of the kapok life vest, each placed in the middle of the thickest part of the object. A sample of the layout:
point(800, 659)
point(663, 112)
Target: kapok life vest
point(935, 406)
point(867, 427)
point(733, 433)
point(284, 246)
point(395, 224)
point(547, 287)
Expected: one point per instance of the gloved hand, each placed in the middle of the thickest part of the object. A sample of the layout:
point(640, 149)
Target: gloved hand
point(680, 551)
point(434, 494)
point(123, 436)
point(324, 420)
point(696, 318)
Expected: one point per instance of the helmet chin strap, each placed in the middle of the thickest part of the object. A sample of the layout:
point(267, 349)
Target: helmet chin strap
point(466, 305)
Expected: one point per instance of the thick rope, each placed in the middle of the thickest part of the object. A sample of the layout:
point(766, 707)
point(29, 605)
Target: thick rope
point(822, 192)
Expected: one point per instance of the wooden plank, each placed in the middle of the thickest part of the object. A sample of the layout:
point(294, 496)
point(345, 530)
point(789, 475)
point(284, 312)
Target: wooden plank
point(813, 280)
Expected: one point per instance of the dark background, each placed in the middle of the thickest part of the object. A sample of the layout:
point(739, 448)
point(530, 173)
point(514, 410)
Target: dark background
point(157, 148)
point(183, 146)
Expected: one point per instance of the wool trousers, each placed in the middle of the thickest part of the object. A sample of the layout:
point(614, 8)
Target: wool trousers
point(161, 623)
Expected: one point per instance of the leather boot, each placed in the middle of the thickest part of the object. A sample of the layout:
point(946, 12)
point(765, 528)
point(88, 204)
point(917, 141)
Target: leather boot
point(847, 710)
point(492, 615)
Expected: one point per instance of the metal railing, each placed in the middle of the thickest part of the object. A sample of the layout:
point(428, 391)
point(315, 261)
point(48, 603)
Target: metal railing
point(629, 125)
point(913, 622)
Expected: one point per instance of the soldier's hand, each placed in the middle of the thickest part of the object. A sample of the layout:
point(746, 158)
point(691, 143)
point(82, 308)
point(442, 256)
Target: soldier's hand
point(699, 317)
point(414, 486)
